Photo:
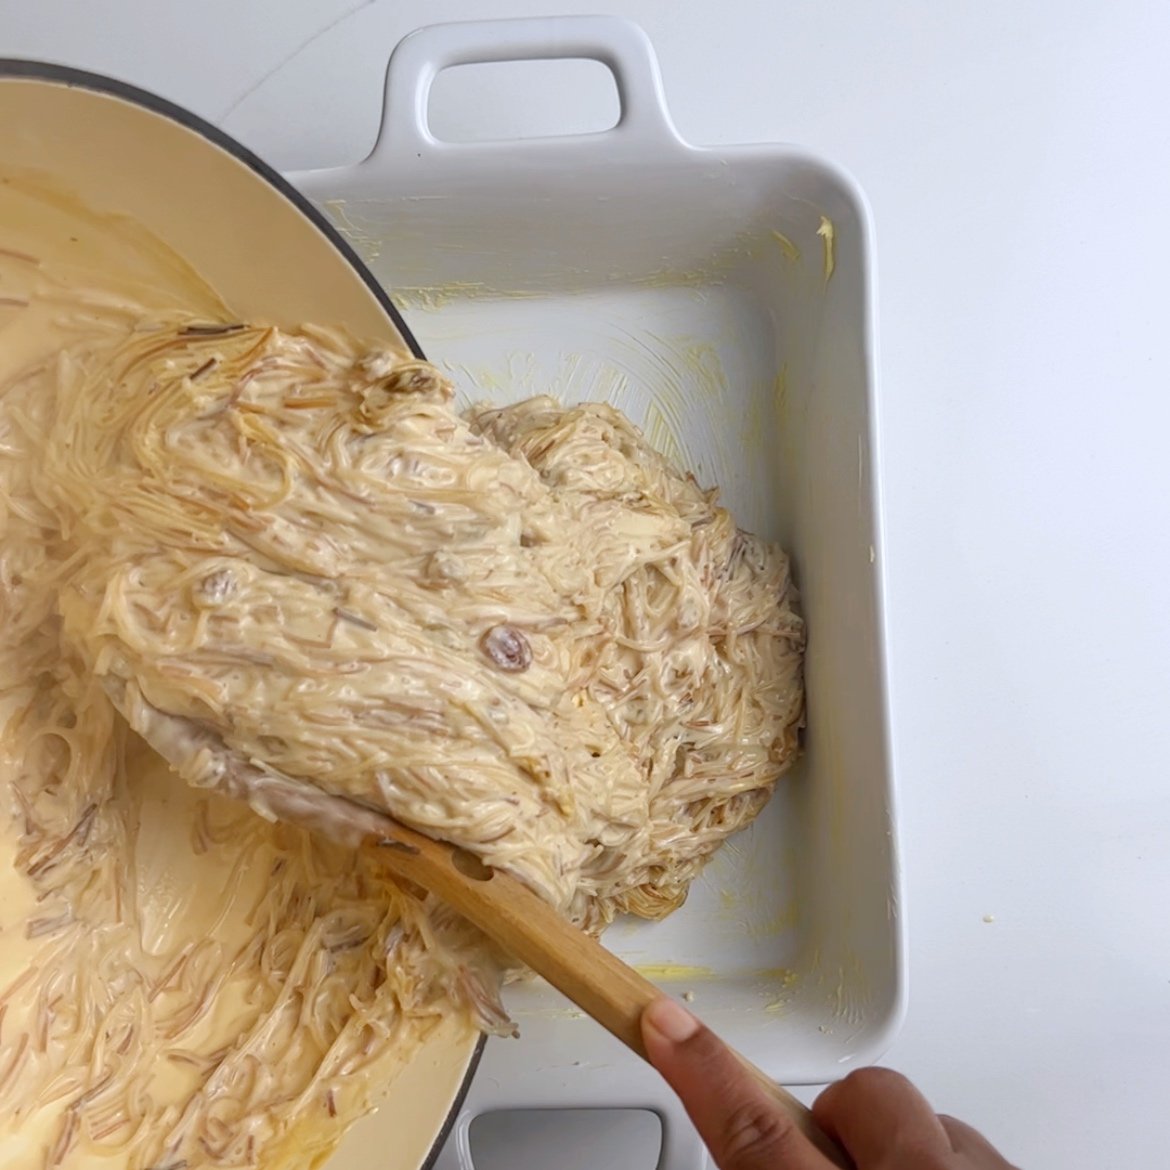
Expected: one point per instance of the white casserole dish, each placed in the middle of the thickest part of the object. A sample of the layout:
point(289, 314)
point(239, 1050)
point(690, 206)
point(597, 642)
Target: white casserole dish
point(724, 298)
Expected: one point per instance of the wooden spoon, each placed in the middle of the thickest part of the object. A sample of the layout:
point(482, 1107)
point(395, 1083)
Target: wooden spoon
point(575, 963)
point(506, 910)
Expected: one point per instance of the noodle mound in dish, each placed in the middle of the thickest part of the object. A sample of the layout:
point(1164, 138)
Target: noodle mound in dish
point(518, 628)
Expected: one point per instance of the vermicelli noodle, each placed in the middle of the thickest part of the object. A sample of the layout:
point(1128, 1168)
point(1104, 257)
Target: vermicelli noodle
point(520, 629)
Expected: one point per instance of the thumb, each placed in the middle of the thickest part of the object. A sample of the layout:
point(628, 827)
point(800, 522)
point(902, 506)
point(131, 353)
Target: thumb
point(742, 1126)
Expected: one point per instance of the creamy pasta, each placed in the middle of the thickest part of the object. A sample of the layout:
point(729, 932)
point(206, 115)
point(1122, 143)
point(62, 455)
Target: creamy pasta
point(520, 629)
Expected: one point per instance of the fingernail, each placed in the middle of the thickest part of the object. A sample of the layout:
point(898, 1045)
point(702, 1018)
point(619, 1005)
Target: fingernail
point(671, 1019)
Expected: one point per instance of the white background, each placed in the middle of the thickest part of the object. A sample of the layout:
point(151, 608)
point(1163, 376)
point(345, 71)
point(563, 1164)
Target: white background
point(1017, 158)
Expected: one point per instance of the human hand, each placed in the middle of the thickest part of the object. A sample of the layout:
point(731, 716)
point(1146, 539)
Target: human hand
point(882, 1121)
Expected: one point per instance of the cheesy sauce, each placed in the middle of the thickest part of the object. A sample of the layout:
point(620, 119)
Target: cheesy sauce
point(518, 629)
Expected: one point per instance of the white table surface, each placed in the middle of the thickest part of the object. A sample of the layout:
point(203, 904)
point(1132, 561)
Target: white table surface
point(1017, 159)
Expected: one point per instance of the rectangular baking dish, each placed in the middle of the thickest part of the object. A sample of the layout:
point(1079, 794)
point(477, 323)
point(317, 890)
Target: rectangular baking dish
point(724, 299)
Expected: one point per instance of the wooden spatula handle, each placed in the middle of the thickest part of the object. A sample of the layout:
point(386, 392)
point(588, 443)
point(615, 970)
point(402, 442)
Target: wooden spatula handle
point(575, 963)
